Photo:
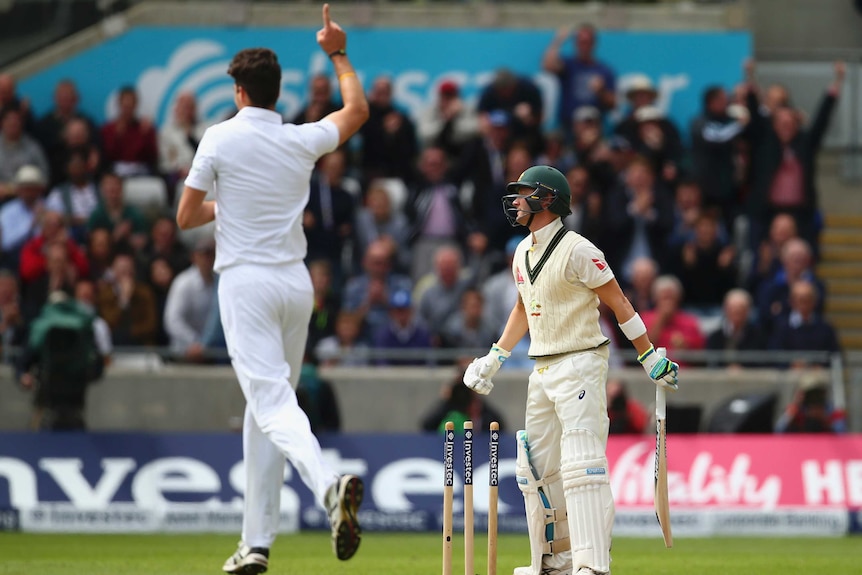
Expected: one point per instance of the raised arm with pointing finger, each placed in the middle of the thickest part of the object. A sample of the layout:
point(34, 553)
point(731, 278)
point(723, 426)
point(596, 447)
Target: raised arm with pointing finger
point(259, 169)
point(333, 41)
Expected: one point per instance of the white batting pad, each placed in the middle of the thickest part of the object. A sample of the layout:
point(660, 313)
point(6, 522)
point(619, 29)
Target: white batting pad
point(544, 503)
point(589, 500)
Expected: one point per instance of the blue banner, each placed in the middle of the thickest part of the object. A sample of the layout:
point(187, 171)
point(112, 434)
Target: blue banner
point(186, 482)
point(163, 62)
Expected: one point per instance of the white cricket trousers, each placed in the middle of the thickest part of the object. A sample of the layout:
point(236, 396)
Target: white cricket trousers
point(566, 394)
point(265, 311)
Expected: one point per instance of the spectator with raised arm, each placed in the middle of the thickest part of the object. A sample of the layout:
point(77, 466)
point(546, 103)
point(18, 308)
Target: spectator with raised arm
point(784, 163)
point(584, 80)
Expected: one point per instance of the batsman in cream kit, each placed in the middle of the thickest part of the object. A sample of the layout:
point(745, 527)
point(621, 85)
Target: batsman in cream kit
point(562, 469)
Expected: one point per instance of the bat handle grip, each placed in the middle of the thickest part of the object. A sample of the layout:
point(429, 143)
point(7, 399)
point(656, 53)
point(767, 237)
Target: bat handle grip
point(660, 402)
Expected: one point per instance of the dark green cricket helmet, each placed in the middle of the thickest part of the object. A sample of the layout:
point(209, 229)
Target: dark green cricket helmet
point(545, 181)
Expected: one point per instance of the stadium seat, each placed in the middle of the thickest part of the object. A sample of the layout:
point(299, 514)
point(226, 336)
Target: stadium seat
point(745, 413)
point(683, 418)
point(147, 193)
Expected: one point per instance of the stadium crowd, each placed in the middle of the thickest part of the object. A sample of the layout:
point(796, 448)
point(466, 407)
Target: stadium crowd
point(712, 227)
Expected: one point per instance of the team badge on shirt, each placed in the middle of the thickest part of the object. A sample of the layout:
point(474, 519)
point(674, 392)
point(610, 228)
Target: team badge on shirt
point(518, 277)
point(535, 308)
point(600, 264)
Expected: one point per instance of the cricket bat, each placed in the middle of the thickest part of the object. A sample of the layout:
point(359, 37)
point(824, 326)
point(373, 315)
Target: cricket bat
point(662, 506)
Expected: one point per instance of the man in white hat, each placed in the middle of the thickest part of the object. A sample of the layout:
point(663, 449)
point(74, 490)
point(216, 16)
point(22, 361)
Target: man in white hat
point(19, 218)
point(640, 91)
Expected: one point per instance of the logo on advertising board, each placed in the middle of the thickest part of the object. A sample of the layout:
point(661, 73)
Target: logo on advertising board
point(188, 482)
point(162, 62)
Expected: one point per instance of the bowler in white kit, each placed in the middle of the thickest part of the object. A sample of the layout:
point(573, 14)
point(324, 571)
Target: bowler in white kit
point(259, 170)
point(562, 468)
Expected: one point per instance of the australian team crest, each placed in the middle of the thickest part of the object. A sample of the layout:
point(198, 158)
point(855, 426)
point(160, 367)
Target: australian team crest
point(535, 308)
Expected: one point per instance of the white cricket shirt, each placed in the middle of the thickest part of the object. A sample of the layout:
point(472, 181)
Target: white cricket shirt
point(556, 277)
point(259, 171)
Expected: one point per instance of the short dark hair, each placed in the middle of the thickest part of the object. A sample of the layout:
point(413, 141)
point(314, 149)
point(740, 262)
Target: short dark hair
point(710, 94)
point(127, 90)
point(258, 72)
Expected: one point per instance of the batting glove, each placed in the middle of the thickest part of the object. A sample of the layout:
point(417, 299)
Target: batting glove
point(474, 381)
point(661, 370)
point(480, 371)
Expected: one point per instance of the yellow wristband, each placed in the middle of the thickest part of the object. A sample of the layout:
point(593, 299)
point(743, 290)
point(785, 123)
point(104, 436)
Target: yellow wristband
point(346, 74)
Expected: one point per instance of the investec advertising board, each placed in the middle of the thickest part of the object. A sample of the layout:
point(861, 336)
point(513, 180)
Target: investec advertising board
point(163, 62)
point(718, 485)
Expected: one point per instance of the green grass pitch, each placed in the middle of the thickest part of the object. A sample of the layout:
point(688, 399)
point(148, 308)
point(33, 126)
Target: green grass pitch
point(411, 554)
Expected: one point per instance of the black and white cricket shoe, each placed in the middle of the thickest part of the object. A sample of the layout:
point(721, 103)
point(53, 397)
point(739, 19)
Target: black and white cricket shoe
point(342, 504)
point(247, 560)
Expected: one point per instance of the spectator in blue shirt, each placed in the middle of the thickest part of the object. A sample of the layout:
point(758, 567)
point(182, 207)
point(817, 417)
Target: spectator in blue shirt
point(584, 81)
point(403, 331)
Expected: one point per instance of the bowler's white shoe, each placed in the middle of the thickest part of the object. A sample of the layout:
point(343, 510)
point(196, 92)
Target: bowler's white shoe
point(247, 560)
point(342, 504)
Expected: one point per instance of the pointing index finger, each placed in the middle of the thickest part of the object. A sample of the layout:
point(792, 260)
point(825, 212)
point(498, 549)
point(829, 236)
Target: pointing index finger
point(326, 15)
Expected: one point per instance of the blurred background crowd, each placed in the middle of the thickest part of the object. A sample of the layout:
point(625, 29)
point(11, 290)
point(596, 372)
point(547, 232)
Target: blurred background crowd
point(712, 227)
